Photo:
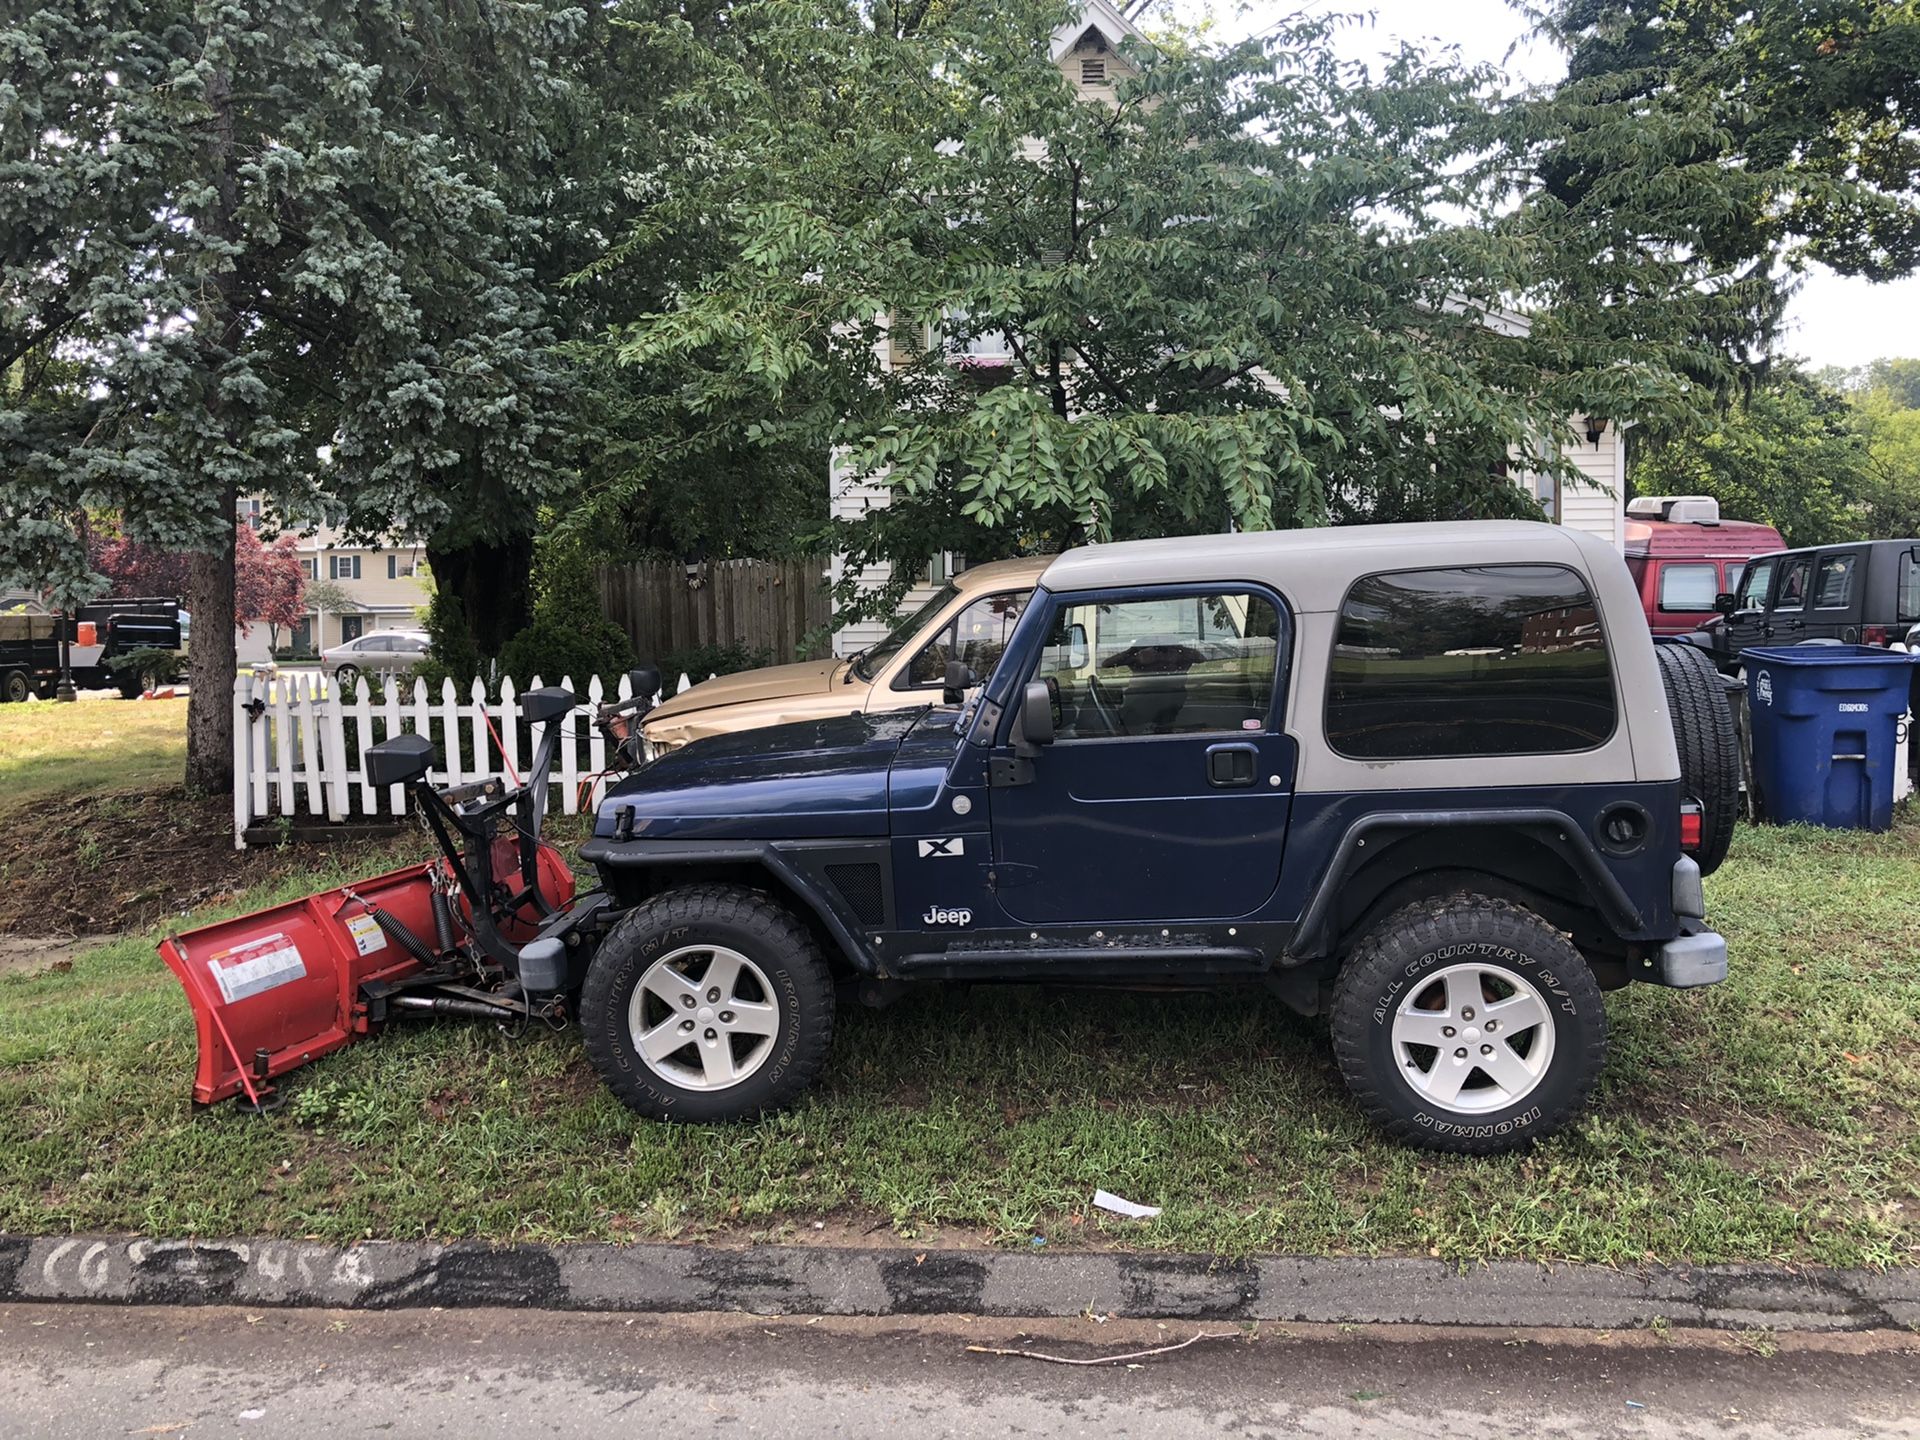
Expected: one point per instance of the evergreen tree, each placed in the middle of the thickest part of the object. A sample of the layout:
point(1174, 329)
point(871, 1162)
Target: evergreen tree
point(286, 249)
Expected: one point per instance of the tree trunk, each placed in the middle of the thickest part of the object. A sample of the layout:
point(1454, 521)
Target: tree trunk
point(212, 662)
point(211, 657)
point(491, 582)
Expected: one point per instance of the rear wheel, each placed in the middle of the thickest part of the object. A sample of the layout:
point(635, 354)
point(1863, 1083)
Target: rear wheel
point(16, 687)
point(128, 684)
point(346, 675)
point(1468, 1025)
point(1709, 747)
point(708, 1003)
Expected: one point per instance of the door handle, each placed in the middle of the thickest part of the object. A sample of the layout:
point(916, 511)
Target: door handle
point(1232, 766)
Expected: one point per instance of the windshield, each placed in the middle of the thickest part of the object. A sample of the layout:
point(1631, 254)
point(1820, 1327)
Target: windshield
point(869, 661)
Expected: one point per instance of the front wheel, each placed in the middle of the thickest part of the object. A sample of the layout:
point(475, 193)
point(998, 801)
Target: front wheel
point(1468, 1025)
point(708, 1003)
point(16, 686)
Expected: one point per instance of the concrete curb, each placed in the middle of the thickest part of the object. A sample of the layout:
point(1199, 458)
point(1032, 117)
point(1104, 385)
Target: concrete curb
point(807, 1280)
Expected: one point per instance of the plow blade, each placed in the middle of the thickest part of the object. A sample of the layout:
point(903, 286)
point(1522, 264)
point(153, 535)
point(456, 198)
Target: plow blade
point(275, 989)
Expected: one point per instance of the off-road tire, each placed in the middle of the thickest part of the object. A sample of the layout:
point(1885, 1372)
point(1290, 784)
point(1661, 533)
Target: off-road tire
point(1414, 943)
point(749, 922)
point(15, 686)
point(1703, 732)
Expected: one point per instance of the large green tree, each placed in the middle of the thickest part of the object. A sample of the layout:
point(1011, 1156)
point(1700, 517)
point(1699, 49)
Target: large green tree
point(1779, 128)
point(1791, 454)
point(291, 249)
point(1886, 413)
point(1254, 287)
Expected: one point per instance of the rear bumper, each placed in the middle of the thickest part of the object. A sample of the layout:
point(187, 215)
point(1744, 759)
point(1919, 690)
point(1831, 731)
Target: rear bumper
point(1689, 961)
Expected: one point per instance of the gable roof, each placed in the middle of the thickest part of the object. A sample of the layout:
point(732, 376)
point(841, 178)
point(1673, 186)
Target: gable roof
point(1099, 15)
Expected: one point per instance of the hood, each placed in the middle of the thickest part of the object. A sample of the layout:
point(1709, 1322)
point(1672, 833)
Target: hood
point(773, 682)
point(808, 779)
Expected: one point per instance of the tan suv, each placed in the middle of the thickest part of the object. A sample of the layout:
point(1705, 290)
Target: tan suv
point(969, 619)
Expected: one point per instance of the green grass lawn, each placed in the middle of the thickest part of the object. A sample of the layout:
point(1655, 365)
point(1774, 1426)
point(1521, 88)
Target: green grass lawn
point(49, 749)
point(1776, 1117)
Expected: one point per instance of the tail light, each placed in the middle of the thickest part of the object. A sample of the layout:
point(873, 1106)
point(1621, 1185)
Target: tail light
point(1873, 635)
point(1693, 822)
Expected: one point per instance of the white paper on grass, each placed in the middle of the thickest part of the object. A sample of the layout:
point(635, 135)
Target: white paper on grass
point(1106, 1200)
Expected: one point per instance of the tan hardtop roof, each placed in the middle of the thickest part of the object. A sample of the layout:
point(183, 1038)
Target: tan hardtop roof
point(1315, 567)
point(1024, 571)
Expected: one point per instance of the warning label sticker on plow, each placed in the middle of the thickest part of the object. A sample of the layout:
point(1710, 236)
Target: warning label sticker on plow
point(367, 934)
point(255, 967)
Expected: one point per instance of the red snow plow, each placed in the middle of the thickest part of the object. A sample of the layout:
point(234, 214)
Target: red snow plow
point(492, 929)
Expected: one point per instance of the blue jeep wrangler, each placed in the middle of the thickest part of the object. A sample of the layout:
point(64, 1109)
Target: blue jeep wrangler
point(1434, 782)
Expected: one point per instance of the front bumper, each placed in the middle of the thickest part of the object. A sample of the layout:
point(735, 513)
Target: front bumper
point(1689, 961)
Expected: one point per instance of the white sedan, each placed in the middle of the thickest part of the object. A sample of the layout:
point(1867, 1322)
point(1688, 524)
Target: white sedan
point(380, 652)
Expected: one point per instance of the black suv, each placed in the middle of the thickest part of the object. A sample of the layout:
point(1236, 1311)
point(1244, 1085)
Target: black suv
point(1864, 593)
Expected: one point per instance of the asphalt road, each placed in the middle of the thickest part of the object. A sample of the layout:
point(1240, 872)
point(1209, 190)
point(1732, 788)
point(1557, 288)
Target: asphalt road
point(99, 1371)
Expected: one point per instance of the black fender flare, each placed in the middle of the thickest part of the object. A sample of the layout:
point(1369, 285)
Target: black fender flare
point(777, 858)
point(1554, 829)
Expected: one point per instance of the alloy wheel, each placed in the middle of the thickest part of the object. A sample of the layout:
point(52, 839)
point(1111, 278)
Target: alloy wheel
point(703, 1017)
point(1473, 1038)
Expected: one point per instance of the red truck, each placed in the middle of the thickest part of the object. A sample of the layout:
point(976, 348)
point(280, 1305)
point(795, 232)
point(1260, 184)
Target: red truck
point(1682, 555)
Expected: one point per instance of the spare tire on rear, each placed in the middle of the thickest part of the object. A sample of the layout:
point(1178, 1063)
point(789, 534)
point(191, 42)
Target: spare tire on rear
point(1709, 749)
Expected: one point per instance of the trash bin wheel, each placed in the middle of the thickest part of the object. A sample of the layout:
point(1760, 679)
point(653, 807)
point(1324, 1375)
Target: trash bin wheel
point(1709, 747)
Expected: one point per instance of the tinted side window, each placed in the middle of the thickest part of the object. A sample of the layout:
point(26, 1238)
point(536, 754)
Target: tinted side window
point(1171, 666)
point(1793, 584)
point(1909, 588)
point(1753, 591)
point(1833, 586)
point(1486, 660)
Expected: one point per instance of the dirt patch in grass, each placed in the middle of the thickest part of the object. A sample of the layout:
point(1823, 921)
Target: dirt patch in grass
point(122, 861)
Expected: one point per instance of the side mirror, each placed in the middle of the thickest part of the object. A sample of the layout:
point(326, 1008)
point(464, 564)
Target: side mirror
point(399, 761)
point(644, 680)
point(1726, 603)
point(1036, 714)
point(960, 679)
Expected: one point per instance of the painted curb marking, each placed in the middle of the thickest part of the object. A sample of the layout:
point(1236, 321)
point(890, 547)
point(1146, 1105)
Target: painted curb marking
point(774, 1279)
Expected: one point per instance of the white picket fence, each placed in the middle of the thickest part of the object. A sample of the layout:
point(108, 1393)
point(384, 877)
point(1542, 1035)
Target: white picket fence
point(300, 741)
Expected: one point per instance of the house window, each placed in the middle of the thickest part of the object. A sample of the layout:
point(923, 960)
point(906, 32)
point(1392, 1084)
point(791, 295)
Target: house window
point(310, 567)
point(400, 567)
point(250, 513)
point(1093, 71)
point(343, 567)
point(985, 347)
point(1545, 490)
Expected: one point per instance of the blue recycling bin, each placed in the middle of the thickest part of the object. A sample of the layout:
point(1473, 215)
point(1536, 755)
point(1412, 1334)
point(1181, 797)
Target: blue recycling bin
point(1825, 721)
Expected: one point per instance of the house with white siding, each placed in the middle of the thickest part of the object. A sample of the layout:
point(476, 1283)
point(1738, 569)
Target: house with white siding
point(1087, 50)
